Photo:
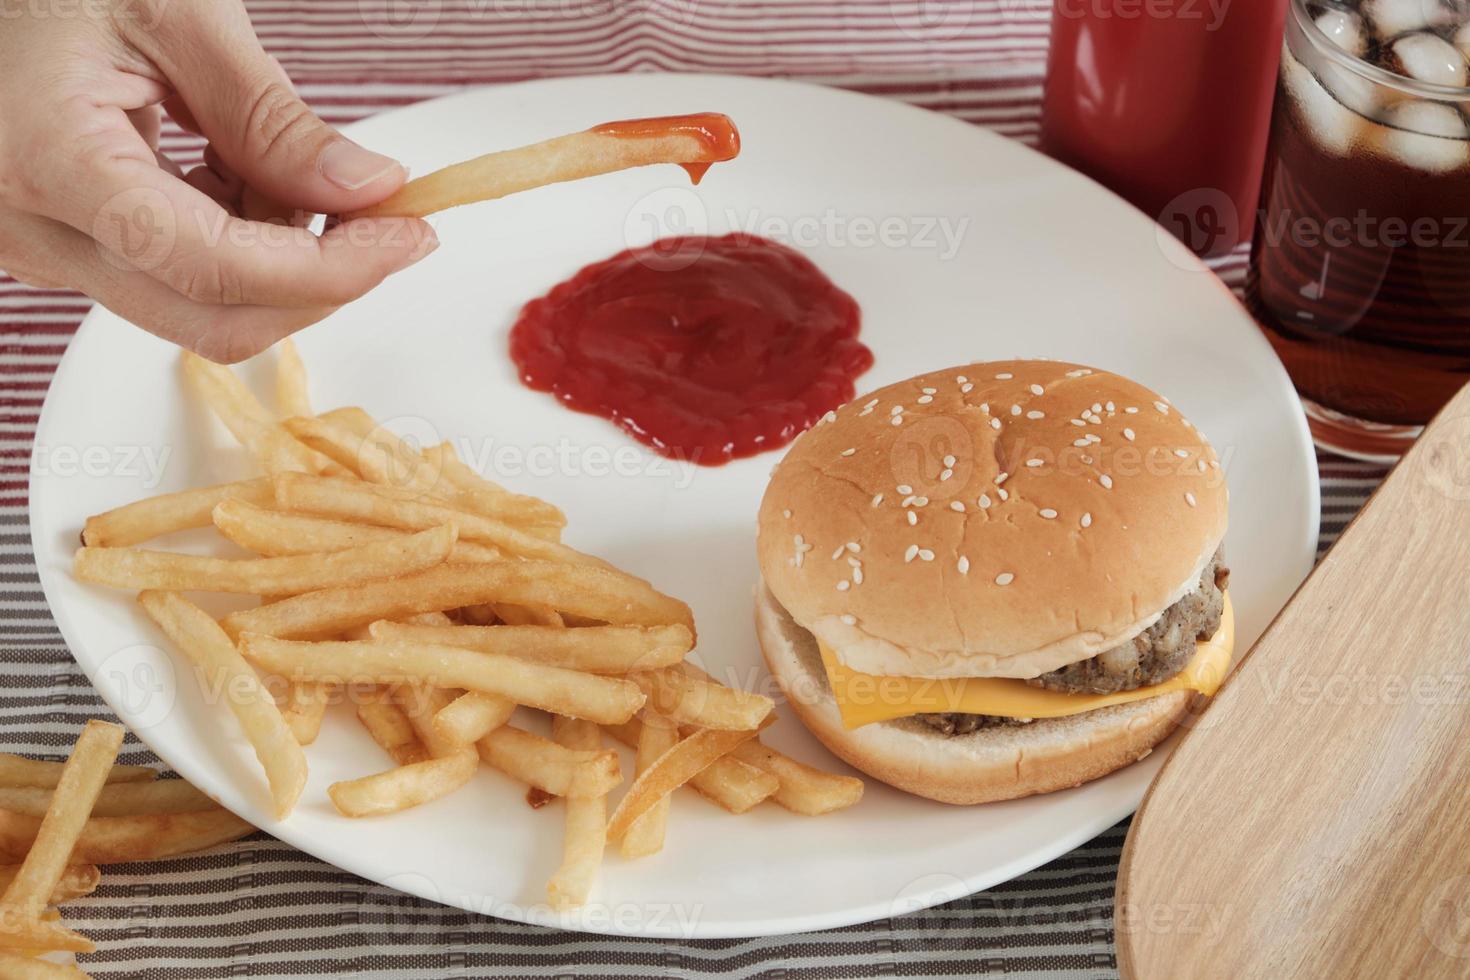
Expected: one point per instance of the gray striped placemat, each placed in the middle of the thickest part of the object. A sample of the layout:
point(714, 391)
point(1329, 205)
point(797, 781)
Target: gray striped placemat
point(260, 908)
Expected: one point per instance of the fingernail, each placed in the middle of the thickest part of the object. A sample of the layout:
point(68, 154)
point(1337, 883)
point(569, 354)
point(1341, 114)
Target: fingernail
point(352, 168)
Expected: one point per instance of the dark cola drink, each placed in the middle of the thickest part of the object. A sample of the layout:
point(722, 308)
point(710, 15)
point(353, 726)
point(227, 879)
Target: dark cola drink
point(1360, 267)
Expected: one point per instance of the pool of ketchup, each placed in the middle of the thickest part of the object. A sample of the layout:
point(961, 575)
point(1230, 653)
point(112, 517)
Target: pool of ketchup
point(706, 349)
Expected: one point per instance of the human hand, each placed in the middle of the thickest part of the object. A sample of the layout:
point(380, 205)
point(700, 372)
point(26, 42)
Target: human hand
point(218, 259)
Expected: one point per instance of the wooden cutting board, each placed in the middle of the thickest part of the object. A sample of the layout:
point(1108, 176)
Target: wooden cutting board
point(1316, 820)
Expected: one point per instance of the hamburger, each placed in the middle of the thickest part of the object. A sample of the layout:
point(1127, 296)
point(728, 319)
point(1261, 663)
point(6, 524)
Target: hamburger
point(996, 580)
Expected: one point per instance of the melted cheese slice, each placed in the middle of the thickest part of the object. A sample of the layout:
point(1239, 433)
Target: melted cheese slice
point(865, 698)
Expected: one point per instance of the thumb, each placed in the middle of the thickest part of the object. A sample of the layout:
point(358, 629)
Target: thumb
point(245, 105)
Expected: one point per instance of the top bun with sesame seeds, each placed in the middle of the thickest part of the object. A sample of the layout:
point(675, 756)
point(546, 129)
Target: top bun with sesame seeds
point(1005, 519)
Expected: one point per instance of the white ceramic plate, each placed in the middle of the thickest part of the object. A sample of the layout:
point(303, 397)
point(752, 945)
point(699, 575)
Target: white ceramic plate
point(1041, 262)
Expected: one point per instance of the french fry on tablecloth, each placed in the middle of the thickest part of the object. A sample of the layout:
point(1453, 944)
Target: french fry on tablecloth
point(115, 799)
point(76, 880)
point(18, 771)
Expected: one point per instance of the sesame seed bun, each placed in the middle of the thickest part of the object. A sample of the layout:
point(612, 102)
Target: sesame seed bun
point(987, 765)
point(994, 520)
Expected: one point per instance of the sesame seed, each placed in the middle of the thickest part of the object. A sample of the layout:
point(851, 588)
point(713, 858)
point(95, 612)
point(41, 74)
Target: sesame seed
point(1110, 407)
point(984, 501)
point(1096, 407)
point(957, 506)
point(866, 411)
point(1001, 478)
point(1078, 373)
point(830, 417)
point(1092, 437)
point(961, 379)
point(1048, 513)
point(854, 562)
point(854, 547)
point(1202, 466)
point(1214, 464)
point(1079, 421)
point(985, 407)
point(904, 488)
point(1189, 498)
point(949, 461)
point(1106, 481)
point(1131, 410)
point(1004, 578)
point(1081, 443)
point(1033, 463)
point(907, 501)
point(849, 452)
point(1001, 492)
point(945, 475)
point(1162, 407)
point(843, 585)
point(1094, 418)
point(849, 620)
point(913, 518)
point(1037, 390)
point(966, 388)
point(929, 391)
point(896, 410)
point(1086, 519)
point(877, 499)
point(925, 399)
point(898, 420)
point(857, 576)
point(1182, 453)
point(963, 565)
point(1015, 409)
point(1004, 376)
point(995, 423)
point(838, 553)
point(870, 403)
point(1087, 459)
point(1128, 434)
point(786, 514)
point(921, 501)
point(1034, 414)
point(925, 554)
point(911, 553)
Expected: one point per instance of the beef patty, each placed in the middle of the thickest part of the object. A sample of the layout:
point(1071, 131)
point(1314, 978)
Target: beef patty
point(1151, 657)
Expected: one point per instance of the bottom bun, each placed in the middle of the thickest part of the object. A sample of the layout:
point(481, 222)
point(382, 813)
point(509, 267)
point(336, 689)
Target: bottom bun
point(1000, 763)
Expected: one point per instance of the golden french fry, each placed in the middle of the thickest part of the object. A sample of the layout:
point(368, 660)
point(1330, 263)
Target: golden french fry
point(526, 615)
point(292, 397)
point(693, 700)
point(156, 516)
point(115, 799)
point(122, 840)
point(596, 593)
point(421, 704)
point(82, 779)
point(131, 568)
point(17, 771)
point(406, 786)
point(390, 728)
point(373, 459)
point(589, 696)
point(367, 503)
point(273, 533)
point(594, 649)
point(804, 789)
point(599, 150)
point(76, 880)
point(646, 834)
point(303, 707)
point(489, 498)
point(199, 638)
point(727, 782)
point(670, 771)
point(547, 765)
point(480, 614)
point(586, 821)
point(472, 716)
point(18, 966)
point(247, 419)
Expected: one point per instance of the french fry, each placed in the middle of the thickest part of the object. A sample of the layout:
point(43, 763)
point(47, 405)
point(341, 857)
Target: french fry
point(18, 771)
point(547, 765)
point(585, 837)
point(671, 770)
point(405, 786)
point(303, 707)
point(45, 863)
point(292, 397)
point(18, 966)
point(131, 568)
point(247, 419)
point(487, 497)
point(727, 782)
point(199, 638)
point(76, 881)
point(122, 840)
point(274, 534)
point(367, 503)
point(589, 696)
point(596, 593)
point(115, 799)
point(594, 649)
point(372, 459)
point(390, 728)
point(691, 700)
point(472, 716)
point(156, 516)
point(646, 834)
point(804, 789)
point(572, 157)
point(526, 615)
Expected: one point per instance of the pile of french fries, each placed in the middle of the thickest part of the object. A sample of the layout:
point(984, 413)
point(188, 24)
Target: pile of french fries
point(62, 820)
point(437, 602)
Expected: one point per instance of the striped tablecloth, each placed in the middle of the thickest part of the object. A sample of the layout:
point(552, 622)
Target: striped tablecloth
point(260, 908)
